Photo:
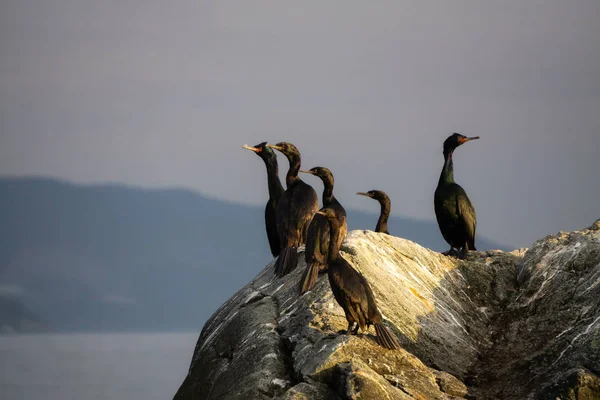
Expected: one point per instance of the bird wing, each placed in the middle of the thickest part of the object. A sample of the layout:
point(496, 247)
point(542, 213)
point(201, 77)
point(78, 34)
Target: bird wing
point(304, 205)
point(350, 285)
point(466, 214)
point(324, 237)
point(294, 213)
point(343, 230)
point(317, 240)
point(444, 219)
point(341, 215)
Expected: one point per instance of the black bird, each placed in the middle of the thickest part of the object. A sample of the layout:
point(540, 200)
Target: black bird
point(386, 206)
point(352, 291)
point(294, 211)
point(317, 239)
point(275, 192)
point(453, 209)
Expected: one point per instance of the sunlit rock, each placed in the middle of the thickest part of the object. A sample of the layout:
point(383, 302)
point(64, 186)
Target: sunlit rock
point(497, 325)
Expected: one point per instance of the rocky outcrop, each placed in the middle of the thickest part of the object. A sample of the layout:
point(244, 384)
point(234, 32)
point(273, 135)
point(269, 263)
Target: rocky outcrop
point(518, 325)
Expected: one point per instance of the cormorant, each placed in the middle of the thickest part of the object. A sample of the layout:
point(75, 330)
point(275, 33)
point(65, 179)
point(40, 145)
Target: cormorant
point(386, 205)
point(352, 291)
point(275, 192)
point(294, 211)
point(453, 209)
point(317, 239)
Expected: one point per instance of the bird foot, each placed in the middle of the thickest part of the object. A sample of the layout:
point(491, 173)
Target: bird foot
point(349, 331)
point(462, 254)
point(450, 253)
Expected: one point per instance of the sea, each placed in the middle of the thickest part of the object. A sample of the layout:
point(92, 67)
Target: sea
point(94, 366)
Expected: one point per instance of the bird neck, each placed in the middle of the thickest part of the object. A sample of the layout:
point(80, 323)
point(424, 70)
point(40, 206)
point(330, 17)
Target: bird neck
point(292, 174)
point(334, 245)
point(273, 181)
point(327, 191)
point(447, 175)
point(383, 217)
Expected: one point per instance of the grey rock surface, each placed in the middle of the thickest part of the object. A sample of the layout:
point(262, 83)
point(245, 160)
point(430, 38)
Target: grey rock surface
point(518, 325)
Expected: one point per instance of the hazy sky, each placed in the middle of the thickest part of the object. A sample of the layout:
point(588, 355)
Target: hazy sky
point(159, 93)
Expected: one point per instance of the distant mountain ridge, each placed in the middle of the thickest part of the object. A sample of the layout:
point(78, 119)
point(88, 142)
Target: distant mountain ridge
point(113, 257)
point(14, 317)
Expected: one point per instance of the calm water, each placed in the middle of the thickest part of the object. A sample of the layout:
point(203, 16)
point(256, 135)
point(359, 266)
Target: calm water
point(94, 366)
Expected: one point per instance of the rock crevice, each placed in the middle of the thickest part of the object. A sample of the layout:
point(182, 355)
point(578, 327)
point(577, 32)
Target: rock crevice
point(518, 325)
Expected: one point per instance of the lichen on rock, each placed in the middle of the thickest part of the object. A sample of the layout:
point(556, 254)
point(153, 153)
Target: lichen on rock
point(498, 325)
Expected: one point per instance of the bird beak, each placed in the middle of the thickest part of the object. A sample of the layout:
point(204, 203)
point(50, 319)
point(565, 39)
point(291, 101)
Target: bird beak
point(275, 147)
point(321, 212)
point(307, 171)
point(254, 149)
point(363, 194)
point(465, 140)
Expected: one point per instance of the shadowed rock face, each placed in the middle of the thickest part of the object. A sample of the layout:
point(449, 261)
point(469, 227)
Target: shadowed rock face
point(518, 325)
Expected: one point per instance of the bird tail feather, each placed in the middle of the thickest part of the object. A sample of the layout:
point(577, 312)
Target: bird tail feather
point(309, 278)
point(386, 338)
point(286, 263)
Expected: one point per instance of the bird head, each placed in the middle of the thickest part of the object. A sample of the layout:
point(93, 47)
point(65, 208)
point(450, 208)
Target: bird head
point(263, 151)
point(321, 172)
point(288, 149)
point(455, 140)
point(374, 194)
